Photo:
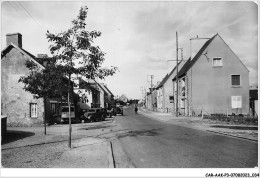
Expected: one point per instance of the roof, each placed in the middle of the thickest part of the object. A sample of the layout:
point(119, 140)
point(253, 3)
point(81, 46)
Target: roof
point(23, 51)
point(190, 62)
point(104, 88)
point(109, 91)
point(162, 82)
point(167, 76)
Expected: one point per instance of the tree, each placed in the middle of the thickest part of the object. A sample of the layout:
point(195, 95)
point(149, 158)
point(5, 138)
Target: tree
point(75, 53)
point(42, 82)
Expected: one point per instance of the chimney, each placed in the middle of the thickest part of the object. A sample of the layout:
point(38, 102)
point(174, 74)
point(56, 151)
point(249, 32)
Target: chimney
point(42, 55)
point(15, 38)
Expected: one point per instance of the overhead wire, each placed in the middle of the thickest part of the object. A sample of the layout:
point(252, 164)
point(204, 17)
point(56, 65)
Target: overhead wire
point(22, 10)
point(34, 19)
point(9, 3)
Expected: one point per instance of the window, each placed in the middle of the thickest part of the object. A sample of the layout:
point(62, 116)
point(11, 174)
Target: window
point(182, 103)
point(235, 80)
point(33, 109)
point(236, 101)
point(217, 62)
point(171, 98)
point(53, 108)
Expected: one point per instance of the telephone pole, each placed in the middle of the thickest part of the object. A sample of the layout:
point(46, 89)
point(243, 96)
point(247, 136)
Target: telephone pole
point(151, 82)
point(142, 90)
point(177, 82)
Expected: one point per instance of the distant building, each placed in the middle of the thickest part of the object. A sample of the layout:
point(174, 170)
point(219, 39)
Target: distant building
point(123, 98)
point(214, 81)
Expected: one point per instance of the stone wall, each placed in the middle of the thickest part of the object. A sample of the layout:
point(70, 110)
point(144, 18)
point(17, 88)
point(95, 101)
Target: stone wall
point(15, 102)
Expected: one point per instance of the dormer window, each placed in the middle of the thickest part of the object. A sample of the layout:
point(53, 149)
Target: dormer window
point(217, 62)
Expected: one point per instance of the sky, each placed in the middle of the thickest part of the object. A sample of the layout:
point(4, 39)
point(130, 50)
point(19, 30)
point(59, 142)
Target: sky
point(139, 37)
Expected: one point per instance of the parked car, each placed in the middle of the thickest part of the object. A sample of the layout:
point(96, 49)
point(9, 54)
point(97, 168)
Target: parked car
point(110, 112)
point(94, 115)
point(119, 110)
point(64, 118)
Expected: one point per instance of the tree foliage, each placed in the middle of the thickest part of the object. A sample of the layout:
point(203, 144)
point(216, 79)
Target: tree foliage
point(75, 51)
point(42, 82)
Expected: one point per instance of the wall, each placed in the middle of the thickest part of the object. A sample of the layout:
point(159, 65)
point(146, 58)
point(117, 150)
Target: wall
point(102, 98)
point(154, 95)
point(168, 91)
point(15, 102)
point(160, 102)
point(149, 102)
point(210, 87)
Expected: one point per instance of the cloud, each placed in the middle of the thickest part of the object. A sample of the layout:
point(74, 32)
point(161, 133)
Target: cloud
point(140, 37)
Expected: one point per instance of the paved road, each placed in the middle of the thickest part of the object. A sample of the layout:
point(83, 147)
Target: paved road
point(148, 143)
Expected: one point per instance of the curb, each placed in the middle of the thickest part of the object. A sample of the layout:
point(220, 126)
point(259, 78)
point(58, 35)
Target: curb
point(110, 155)
point(223, 133)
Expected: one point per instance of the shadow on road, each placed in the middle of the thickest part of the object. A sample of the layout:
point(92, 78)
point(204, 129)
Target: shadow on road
point(135, 133)
point(96, 127)
point(12, 136)
point(235, 127)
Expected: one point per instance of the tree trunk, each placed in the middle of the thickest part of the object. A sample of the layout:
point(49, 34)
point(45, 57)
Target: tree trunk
point(45, 114)
point(69, 113)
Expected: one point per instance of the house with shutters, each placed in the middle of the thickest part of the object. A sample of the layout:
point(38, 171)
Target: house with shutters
point(20, 107)
point(214, 81)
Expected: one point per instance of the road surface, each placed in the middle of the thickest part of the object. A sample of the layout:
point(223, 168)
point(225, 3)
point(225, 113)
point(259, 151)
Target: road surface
point(148, 143)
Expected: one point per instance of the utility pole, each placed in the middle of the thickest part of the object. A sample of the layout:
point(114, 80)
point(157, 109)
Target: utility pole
point(177, 50)
point(142, 90)
point(151, 82)
point(177, 83)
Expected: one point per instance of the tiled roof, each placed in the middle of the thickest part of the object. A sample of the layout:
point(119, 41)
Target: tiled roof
point(32, 56)
point(190, 62)
point(168, 76)
point(108, 90)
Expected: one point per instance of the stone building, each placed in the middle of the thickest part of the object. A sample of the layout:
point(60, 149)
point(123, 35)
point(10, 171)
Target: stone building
point(20, 107)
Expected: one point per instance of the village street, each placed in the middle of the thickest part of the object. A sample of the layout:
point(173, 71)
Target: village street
point(155, 144)
point(131, 140)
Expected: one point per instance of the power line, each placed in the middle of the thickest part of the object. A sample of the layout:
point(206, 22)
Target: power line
point(35, 20)
point(15, 8)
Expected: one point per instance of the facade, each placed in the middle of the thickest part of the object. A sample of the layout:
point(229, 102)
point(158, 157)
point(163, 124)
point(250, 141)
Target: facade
point(123, 98)
point(160, 95)
point(20, 107)
point(149, 101)
point(214, 81)
point(165, 91)
point(108, 96)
